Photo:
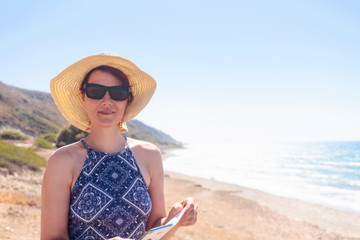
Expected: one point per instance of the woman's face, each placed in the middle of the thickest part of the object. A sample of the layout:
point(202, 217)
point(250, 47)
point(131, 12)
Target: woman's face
point(104, 112)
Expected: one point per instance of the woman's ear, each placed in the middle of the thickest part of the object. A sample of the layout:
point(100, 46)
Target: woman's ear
point(130, 98)
point(83, 95)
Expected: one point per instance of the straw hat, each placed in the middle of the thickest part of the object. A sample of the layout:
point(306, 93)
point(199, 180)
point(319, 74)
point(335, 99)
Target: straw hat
point(65, 88)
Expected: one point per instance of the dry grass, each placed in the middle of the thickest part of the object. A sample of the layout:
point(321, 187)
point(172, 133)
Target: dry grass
point(19, 198)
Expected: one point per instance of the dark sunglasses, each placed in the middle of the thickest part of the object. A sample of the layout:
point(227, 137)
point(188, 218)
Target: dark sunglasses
point(96, 91)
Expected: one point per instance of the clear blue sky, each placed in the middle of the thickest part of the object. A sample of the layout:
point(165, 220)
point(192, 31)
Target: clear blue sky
point(226, 70)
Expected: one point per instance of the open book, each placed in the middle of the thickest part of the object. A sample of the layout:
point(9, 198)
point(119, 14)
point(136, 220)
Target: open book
point(159, 232)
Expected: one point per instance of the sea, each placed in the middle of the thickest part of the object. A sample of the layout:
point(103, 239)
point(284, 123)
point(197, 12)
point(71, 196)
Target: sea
point(322, 173)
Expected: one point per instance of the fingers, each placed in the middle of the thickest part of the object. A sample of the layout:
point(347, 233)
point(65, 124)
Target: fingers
point(187, 201)
point(190, 216)
point(178, 207)
point(175, 209)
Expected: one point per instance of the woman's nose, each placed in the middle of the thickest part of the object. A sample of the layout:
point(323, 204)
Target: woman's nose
point(106, 98)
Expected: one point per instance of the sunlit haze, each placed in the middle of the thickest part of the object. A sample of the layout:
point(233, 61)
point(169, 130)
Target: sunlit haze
point(226, 70)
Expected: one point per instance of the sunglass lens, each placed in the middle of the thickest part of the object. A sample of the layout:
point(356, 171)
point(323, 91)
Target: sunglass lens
point(119, 94)
point(95, 92)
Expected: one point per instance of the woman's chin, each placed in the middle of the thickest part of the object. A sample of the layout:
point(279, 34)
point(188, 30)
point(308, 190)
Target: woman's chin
point(107, 124)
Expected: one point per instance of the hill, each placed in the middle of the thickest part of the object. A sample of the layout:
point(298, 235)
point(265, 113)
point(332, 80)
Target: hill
point(35, 113)
point(139, 130)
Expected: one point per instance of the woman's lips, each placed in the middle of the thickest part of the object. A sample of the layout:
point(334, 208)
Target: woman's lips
point(106, 112)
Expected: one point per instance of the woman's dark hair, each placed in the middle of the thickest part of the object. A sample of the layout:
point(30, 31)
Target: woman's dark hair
point(113, 71)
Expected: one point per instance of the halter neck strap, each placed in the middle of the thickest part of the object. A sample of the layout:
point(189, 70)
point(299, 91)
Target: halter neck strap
point(84, 143)
point(126, 142)
point(87, 146)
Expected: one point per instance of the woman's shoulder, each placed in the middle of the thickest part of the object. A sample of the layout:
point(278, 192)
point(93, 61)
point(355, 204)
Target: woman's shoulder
point(63, 162)
point(144, 148)
point(67, 154)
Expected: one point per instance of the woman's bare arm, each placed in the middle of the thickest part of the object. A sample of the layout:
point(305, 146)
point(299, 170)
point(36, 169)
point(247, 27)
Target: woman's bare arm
point(55, 196)
point(149, 158)
point(152, 157)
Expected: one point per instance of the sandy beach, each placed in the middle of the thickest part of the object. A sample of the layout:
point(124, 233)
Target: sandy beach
point(225, 211)
point(231, 212)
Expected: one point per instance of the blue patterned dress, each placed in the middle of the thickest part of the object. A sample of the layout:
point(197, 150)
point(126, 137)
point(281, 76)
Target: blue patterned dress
point(110, 197)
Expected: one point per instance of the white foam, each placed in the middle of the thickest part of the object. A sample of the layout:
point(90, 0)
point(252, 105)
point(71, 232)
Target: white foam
point(265, 168)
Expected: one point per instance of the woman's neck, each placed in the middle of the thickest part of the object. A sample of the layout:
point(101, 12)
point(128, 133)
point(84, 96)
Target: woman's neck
point(109, 140)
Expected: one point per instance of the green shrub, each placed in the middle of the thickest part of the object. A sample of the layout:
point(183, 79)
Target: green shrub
point(60, 144)
point(50, 137)
point(9, 135)
point(69, 134)
point(13, 157)
point(42, 143)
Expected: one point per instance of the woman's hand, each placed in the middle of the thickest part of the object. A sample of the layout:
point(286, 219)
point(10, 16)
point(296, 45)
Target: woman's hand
point(190, 216)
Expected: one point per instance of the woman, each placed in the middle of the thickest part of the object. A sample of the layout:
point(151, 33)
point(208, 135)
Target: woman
point(106, 185)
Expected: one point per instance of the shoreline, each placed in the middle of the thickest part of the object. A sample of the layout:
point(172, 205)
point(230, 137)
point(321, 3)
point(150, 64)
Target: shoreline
point(336, 221)
point(226, 211)
point(345, 224)
point(342, 221)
